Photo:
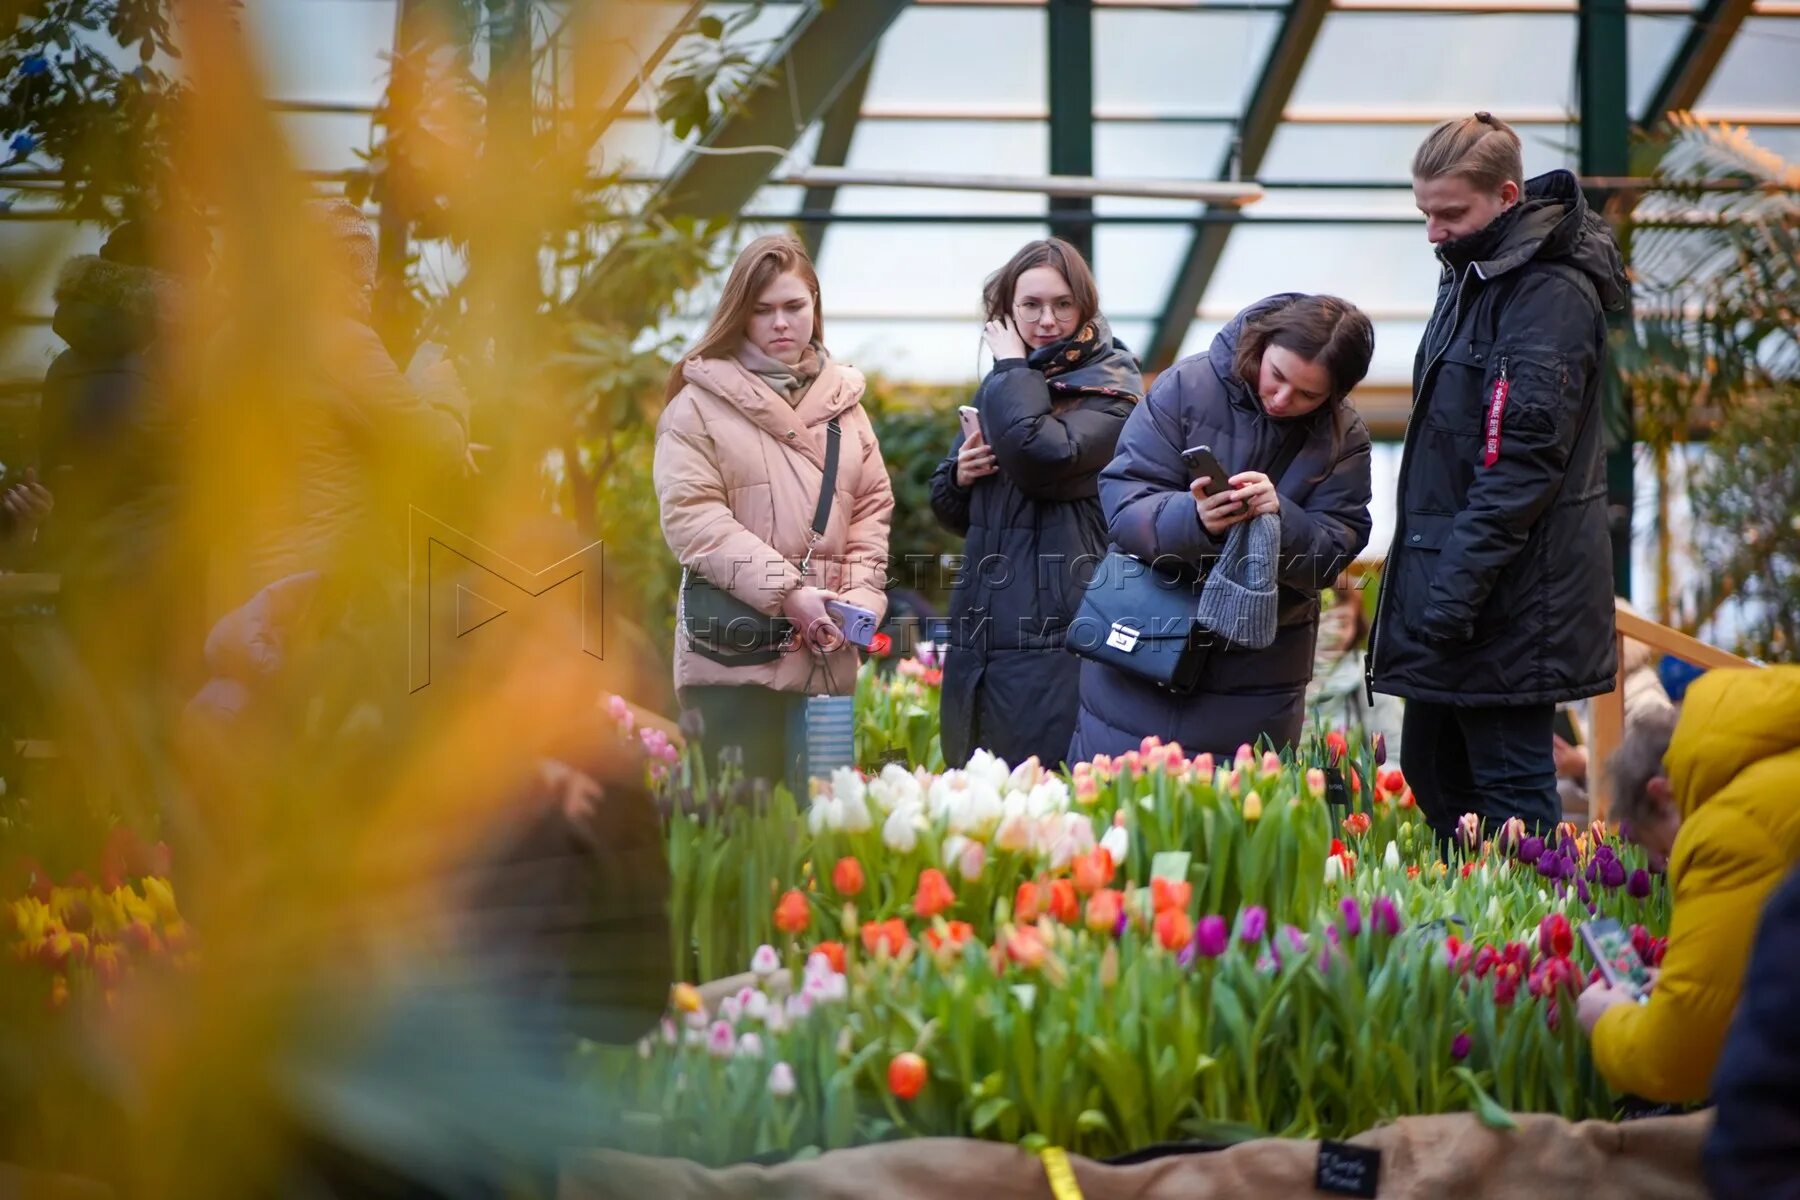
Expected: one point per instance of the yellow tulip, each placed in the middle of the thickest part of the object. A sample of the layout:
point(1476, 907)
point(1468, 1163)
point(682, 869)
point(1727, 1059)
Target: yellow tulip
point(1252, 807)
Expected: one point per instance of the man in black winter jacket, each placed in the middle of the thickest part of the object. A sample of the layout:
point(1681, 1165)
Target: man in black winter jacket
point(1497, 598)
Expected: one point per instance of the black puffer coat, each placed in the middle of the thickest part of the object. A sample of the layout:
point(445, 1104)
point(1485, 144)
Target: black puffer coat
point(1151, 515)
point(1034, 528)
point(1498, 590)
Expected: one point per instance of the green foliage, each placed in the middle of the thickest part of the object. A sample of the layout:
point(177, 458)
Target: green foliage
point(915, 427)
point(1718, 338)
point(67, 105)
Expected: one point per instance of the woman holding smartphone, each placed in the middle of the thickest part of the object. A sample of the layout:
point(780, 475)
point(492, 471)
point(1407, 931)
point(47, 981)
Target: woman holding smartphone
point(764, 435)
point(1021, 489)
point(1270, 401)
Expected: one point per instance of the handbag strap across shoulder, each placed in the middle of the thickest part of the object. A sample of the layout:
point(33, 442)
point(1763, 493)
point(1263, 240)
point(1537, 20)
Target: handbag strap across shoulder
point(1291, 445)
point(834, 436)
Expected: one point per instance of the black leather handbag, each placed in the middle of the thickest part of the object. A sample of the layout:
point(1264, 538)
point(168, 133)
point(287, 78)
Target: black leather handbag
point(1139, 617)
point(728, 631)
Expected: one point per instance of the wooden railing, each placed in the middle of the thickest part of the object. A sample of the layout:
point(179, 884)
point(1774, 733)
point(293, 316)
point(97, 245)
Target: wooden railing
point(1608, 716)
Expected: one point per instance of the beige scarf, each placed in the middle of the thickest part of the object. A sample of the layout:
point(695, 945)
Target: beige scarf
point(787, 381)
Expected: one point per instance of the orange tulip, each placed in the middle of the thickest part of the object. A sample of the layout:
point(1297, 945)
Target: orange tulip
point(834, 954)
point(954, 936)
point(891, 934)
point(793, 914)
point(1168, 893)
point(934, 894)
point(847, 877)
point(1103, 909)
point(1025, 904)
point(1174, 929)
point(1093, 870)
point(1025, 946)
point(1064, 907)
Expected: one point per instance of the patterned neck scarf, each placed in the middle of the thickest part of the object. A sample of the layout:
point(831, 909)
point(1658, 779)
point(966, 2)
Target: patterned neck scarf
point(1088, 362)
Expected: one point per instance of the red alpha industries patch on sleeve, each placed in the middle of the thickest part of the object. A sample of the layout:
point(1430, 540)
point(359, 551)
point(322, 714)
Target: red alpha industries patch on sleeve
point(1496, 410)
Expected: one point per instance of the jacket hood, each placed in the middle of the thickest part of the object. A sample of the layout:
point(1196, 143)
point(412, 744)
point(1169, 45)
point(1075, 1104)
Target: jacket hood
point(1223, 352)
point(1554, 223)
point(104, 307)
point(1730, 720)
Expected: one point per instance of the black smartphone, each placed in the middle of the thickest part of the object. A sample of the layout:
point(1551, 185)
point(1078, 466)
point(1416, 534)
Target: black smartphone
point(1200, 461)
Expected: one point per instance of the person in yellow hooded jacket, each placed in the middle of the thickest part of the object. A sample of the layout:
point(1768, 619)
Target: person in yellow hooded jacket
point(1716, 789)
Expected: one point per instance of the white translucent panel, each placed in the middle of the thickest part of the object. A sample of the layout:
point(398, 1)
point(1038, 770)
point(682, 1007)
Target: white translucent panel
point(966, 147)
point(953, 59)
point(1383, 269)
point(941, 352)
point(1384, 153)
point(915, 270)
point(1778, 139)
point(775, 200)
point(329, 50)
point(1159, 149)
point(325, 141)
point(638, 145)
point(33, 253)
point(1135, 334)
point(1163, 62)
point(1760, 72)
point(1134, 265)
point(1409, 63)
point(1651, 42)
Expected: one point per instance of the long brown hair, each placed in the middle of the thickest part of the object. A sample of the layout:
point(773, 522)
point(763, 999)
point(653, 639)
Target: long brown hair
point(1322, 329)
point(1058, 255)
point(761, 263)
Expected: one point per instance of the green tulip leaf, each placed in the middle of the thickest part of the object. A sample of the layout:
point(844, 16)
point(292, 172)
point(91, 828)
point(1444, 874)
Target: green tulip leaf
point(1486, 1110)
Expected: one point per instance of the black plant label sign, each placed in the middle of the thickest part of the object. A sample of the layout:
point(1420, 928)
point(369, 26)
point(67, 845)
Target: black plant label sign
point(1346, 1170)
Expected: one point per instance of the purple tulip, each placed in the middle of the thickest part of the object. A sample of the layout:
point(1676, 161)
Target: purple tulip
point(1253, 922)
point(1385, 917)
point(1185, 958)
point(1612, 873)
point(1352, 915)
point(1604, 853)
point(1212, 936)
point(1123, 923)
point(1592, 874)
point(1381, 749)
point(1638, 886)
point(1460, 1045)
point(1531, 849)
point(1546, 866)
point(1295, 943)
point(1581, 890)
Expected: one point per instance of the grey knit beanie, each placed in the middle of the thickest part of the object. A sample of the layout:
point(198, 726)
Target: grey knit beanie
point(350, 233)
point(1238, 600)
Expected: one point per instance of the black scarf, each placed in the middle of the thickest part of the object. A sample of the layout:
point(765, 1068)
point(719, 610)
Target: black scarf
point(1088, 362)
point(1484, 242)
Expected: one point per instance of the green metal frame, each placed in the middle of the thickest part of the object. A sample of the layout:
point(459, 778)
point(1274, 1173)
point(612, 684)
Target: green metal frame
point(1714, 26)
point(1293, 43)
point(814, 65)
point(1600, 49)
point(1070, 33)
point(836, 132)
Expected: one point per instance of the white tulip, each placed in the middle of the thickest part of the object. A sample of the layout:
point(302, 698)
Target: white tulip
point(765, 962)
point(781, 1080)
point(1050, 796)
point(1014, 833)
point(970, 862)
point(846, 784)
point(901, 833)
point(1334, 869)
point(1025, 776)
point(1117, 842)
point(1391, 859)
point(757, 1009)
point(985, 766)
point(750, 1046)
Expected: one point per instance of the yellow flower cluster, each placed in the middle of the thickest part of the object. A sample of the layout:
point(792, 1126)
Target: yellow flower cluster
point(95, 936)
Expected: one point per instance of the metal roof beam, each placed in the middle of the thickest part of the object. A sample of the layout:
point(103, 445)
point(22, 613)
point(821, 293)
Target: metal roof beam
point(811, 68)
point(836, 132)
point(1293, 42)
point(1714, 25)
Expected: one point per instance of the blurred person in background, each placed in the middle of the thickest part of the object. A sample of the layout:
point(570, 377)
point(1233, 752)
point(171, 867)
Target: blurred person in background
point(1753, 1152)
point(1336, 697)
point(1023, 492)
point(1710, 788)
point(1496, 604)
point(1277, 377)
point(742, 450)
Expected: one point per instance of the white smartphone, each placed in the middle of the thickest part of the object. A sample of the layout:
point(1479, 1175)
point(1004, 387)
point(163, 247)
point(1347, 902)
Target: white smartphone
point(971, 420)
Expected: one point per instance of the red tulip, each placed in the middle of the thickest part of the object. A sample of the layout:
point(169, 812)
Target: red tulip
point(1174, 929)
point(1093, 870)
point(891, 934)
point(955, 935)
point(1337, 744)
point(1555, 936)
point(906, 1075)
point(1025, 903)
point(834, 954)
point(1168, 893)
point(793, 914)
point(847, 877)
point(1064, 907)
point(934, 894)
